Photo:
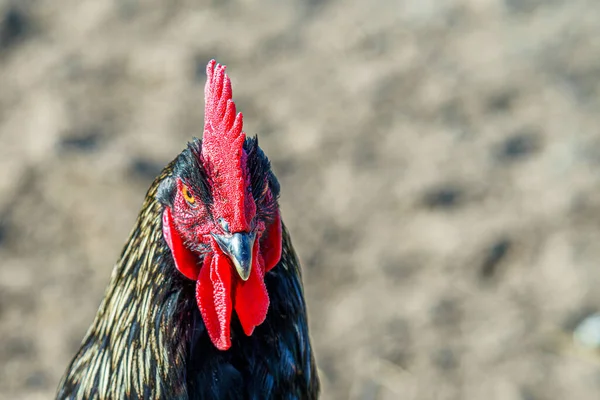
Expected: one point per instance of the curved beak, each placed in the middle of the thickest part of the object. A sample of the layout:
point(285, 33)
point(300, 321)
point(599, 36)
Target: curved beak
point(238, 247)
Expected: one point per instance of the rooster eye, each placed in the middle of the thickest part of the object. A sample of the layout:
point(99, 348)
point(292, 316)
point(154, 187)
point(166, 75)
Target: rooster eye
point(187, 195)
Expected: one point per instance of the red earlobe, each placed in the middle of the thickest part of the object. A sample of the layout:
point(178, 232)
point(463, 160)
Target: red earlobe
point(185, 260)
point(270, 244)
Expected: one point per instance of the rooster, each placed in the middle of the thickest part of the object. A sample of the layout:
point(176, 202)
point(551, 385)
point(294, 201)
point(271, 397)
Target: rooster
point(206, 300)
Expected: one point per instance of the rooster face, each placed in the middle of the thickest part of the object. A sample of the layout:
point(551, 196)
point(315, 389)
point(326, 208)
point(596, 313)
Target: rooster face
point(221, 219)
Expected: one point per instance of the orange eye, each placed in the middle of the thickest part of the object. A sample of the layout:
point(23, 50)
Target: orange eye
point(187, 195)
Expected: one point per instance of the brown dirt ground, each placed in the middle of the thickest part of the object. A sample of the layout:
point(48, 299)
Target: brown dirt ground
point(439, 164)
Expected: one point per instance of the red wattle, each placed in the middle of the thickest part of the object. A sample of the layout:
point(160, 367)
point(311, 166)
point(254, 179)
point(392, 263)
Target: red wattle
point(251, 297)
point(270, 243)
point(213, 295)
point(185, 260)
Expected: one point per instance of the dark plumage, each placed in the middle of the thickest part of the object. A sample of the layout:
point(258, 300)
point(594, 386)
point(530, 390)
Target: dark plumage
point(149, 339)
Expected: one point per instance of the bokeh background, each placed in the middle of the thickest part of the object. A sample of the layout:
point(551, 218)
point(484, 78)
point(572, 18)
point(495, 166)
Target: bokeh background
point(439, 162)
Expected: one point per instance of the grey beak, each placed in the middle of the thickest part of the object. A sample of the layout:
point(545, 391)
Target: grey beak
point(238, 248)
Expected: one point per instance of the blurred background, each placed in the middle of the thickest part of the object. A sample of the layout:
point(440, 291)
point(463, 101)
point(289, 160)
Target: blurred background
point(439, 164)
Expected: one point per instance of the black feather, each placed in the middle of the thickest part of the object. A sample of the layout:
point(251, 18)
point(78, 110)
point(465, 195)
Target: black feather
point(261, 179)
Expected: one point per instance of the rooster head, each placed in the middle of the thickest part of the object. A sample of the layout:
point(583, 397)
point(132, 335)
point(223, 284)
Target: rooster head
point(221, 219)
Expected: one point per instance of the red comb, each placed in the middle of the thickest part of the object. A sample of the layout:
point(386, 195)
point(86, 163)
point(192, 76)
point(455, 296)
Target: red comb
point(219, 111)
point(222, 150)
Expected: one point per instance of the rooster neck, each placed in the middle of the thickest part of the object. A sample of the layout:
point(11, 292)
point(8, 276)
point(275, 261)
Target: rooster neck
point(137, 342)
